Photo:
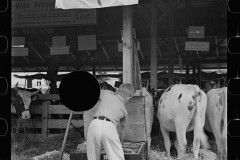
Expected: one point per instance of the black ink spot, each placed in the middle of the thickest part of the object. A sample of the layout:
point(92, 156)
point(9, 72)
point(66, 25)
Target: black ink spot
point(163, 106)
point(179, 97)
point(160, 101)
point(193, 97)
point(190, 108)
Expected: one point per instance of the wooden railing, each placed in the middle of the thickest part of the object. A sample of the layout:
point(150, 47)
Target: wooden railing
point(46, 109)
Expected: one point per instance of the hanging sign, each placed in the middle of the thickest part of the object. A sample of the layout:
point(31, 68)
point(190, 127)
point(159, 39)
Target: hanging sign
point(18, 41)
point(87, 42)
point(59, 50)
point(58, 41)
point(17, 51)
point(196, 32)
point(70, 4)
point(44, 13)
point(196, 46)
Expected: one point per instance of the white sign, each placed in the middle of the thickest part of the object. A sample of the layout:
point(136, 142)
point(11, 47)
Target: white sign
point(120, 47)
point(196, 32)
point(18, 41)
point(197, 46)
point(87, 42)
point(70, 4)
point(59, 50)
point(19, 51)
point(43, 13)
point(58, 41)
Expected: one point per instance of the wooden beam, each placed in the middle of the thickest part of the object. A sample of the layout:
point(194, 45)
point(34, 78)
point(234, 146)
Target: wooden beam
point(127, 44)
point(105, 51)
point(159, 50)
point(171, 8)
point(213, 49)
point(26, 59)
point(216, 41)
point(141, 53)
point(39, 55)
point(89, 54)
point(171, 47)
point(72, 54)
point(154, 36)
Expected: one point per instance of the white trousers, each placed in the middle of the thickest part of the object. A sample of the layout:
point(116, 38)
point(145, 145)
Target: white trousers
point(103, 134)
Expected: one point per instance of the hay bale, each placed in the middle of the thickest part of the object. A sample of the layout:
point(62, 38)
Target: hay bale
point(155, 155)
point(203, 155)
point(53, 155)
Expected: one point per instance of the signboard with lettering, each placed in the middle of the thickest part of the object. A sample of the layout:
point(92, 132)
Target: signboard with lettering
point(43, 13)
point(17, 51)
point(196, 32)
point(196, 46)
point(59, 50)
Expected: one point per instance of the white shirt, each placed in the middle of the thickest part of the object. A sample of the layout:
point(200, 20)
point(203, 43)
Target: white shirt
point(111, 107)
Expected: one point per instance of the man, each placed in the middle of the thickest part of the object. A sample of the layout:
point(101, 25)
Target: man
point(102, 131)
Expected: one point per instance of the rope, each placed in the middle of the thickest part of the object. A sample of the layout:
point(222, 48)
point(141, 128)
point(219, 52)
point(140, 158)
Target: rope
point(136, 68)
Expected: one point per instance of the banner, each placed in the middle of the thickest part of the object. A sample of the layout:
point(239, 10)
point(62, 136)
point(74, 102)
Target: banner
point(71, 4)
point(44, 13)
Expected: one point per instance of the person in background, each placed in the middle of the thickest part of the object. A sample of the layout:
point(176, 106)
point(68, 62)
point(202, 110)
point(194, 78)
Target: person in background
point(102, 131)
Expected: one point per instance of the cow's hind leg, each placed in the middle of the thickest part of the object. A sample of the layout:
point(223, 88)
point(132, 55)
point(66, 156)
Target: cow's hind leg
point(199, 137)
point(167, 142)
point(181, 138)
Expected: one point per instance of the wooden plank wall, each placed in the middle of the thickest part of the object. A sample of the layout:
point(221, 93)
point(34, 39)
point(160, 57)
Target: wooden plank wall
point(136, 130)
point(46, 109)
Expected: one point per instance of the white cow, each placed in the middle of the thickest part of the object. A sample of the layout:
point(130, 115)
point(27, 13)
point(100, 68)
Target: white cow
point(182, 108)
point(216, 116)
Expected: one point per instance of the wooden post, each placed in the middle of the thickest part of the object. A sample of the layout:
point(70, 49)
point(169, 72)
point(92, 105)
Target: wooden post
point(94, 68)
point(154, 36)
point(52, 73)
point(171, 47)
point(45, 106)
point(127, 45)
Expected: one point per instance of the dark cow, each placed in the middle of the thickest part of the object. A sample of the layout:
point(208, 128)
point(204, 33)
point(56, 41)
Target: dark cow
point(106, 86)
point(21, 99)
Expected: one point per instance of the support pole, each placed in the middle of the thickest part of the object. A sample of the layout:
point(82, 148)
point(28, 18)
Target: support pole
point(171, 47)
point(94, 67)
point(154, 44)
point(127, 45)
point(66, 134)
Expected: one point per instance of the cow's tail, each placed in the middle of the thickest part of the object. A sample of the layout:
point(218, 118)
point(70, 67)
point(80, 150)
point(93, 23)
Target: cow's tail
point(201, 104)
point(32, 93)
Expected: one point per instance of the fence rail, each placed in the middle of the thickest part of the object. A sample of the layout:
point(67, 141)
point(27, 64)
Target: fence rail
point(46, 109)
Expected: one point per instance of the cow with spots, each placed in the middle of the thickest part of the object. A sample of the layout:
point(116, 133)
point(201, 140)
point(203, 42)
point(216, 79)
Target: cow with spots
point(182, 108)
point(21, 99)
point(216, 117)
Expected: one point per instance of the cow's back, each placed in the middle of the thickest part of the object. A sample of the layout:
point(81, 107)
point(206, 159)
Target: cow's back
point(180, 102)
